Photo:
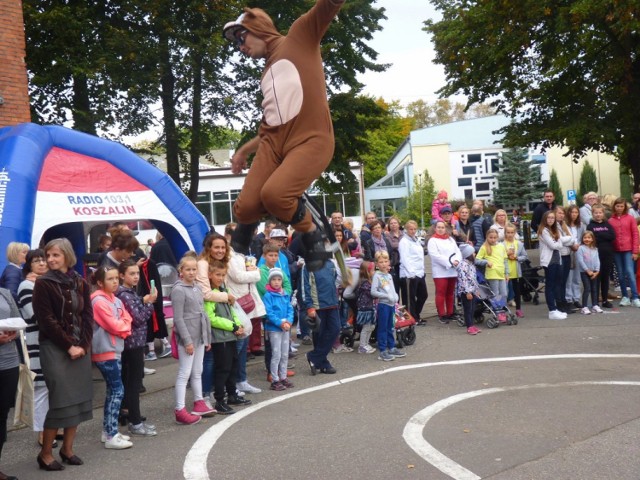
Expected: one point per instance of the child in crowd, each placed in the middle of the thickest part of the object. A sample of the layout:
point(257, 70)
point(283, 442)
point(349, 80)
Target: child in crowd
point(140, 310)
point(589, 265)
point(439, 203)
point(516, 254)
point(193, 336)
point(576, 227)
point(112, 324)
point(551, 243)
point(493, 256)
point(225, 330)
point(382, 288)
point(366, 316)
point(269, 260)
point(467, 287)
point(277, 325)
point(605, 236)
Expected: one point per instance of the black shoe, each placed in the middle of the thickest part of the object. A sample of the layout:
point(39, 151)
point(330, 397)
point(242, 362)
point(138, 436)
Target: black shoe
point(315, 250)
point(328, 370)
point(54, 466)
point(241, 237)
point(7, 477)
point(312, 367)
point(250, 356)
point(224, 409)
point(236, 400)
point(577, 305)
point(72, 460)
point(258, 353)
point(142, 389)
point(607, 304)
point(444, 320)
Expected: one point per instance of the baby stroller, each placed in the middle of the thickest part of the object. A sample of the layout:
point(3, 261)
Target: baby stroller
point(405, 326)
point(532, 283)
point(490, 308)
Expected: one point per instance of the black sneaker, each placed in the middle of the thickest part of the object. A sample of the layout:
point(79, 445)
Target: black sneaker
point(315, 251)
point(224, 409)
point(236, 400)
point(577, 304)
point(241, 237)
point(444, 320)
point(607, 304)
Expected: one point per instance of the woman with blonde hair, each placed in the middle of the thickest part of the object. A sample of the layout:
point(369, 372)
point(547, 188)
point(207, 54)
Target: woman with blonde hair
point(12, 274)
point(412, 271)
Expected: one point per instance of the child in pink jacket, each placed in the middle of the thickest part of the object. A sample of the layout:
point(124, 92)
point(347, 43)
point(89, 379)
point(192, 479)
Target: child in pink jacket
point(438, 204)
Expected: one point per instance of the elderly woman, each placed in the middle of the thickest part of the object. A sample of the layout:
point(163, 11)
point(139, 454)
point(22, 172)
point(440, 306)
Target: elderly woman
point(34, 267)
point(9, 367)
point(12, 274)
point(375, 242)
point(62, 305)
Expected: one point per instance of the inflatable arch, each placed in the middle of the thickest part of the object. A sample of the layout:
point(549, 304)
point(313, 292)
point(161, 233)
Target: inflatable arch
point(56, 182)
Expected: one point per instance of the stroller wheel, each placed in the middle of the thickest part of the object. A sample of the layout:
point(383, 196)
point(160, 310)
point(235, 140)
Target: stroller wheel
point(478, 318)
point(526, 297)
point(513, 320)
point(409, 335)
point(347, 339)
point(536, 301)
point(399, 339)
point(460, 322)
point(492, 323)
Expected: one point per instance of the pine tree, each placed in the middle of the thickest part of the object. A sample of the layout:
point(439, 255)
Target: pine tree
point(554, 186)
point(518, 180)
point(588, 181)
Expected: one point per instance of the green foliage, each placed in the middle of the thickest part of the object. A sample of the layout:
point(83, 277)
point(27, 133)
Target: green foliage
point(626, 184)
point(444, 110)
point(554, 186)
point(518, 179)
point(567, 73)
point(588, 181)
point(419, 200)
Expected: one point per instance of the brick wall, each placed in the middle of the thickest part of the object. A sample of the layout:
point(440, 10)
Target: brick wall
point(13, 71)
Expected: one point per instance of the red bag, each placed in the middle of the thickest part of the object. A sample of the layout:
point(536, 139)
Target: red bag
point(247, 302)
point(174, 344)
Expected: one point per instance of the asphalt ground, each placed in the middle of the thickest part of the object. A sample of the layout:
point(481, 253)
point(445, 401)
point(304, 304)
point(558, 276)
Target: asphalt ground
point(540, 400)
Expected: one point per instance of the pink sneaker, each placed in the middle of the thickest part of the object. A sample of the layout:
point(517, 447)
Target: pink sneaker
point(473, 330)
point(185, 418)
point(502, 317)
point(202, 409)
point(519, 314)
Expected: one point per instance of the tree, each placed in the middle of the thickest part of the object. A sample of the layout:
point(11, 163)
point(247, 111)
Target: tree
point(443, 110)
point(567, 73)
point(588, 181)
point(518, 179)
point(554, 186)
point(419, 200)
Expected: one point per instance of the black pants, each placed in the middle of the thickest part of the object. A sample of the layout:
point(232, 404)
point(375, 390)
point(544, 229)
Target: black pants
point(225, 368)
point(561, 286)
point(606, 267)
point(515, 284)
point(415, 296)
point(132, 373)
point(468, 307)
point(8, 387)
point(589, 287)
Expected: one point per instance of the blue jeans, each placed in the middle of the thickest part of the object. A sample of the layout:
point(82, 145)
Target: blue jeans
point(626, 273)
point(385, 327)
point(553, 276)
point(207, 373)
point(111, 372)
point(241, 346)
point(325, 336)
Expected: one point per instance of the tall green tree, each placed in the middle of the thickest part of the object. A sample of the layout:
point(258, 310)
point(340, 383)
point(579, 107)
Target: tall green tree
point(588, 181)
point(444, 110)
point(554, 186)
point(419, 200)
point(567, 73)
point(518, 179)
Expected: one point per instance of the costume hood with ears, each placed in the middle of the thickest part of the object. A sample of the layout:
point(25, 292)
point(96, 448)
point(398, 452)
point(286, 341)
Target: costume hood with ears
point(258, 23)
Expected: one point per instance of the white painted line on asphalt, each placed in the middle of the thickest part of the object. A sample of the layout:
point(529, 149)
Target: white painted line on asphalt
point(195, 464)
point(413, 430)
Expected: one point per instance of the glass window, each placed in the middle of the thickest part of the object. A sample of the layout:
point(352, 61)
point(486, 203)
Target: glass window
point(351, 205)
point(469, 170)
point(474, 158)
point(204, 197)
point(468, 194)
point(464, 182)
point(387, 182)
point(538, 158)
point(205, 209)
point(376, 207)
point(398, 178)
point(221, 213)
point(333, 203)
point(217, 196)
point(495, 165)
point(482, 187)
point(234, 194)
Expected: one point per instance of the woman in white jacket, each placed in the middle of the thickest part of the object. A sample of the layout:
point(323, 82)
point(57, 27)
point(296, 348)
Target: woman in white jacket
point(412, 271)
point(551, 243)
point(445, 257)
point(242, 277)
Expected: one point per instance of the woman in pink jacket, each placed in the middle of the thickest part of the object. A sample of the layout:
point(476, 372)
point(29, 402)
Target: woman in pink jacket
point(626, 251)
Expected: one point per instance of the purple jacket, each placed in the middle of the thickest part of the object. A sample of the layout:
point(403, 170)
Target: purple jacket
point(140, 313)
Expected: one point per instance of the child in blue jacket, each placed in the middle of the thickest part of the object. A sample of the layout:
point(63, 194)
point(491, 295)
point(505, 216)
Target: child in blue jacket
point(277, 325)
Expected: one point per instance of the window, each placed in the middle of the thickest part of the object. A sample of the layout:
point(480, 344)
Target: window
point(205, 209)
point(464, 182)
point(482, 187)
point(469, 170)
point(468, 194)
point(495, 165)
point(538, 158)
point(351, 205)
point(474, 158)
point(398, 178)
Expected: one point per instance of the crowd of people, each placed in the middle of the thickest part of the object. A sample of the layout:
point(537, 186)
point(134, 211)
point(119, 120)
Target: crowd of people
point(224, 300)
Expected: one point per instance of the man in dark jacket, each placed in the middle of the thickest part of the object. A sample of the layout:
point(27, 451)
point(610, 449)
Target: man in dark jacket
point(547, 204)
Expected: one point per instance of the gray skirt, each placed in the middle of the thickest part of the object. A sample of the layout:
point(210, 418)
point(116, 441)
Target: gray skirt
point(70, 386)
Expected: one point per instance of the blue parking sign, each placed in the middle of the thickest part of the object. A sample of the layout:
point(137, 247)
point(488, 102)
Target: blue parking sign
point(571, 195)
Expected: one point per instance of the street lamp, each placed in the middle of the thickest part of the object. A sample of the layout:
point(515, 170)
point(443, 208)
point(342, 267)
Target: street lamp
point(421, 206)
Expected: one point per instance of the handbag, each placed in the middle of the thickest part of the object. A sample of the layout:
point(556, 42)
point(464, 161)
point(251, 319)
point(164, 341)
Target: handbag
point(174, 344)
point(247, 302)
point(23, 411)
point(244, 319)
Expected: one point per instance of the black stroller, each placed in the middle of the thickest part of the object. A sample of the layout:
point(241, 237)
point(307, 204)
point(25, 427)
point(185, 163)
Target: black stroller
point(531, 283)
point(490, 308)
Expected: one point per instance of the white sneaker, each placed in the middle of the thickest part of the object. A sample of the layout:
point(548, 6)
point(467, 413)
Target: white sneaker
point(636, 302)
point(557, 315)
point(625, 302)
point(247, 387)
point(117, 442)
point(207, 401)
point(342, 348)
point(585, 311)
point(293, 349)
point(149, 371)
point(512, 303)
point(103, 437)
point(596, 309)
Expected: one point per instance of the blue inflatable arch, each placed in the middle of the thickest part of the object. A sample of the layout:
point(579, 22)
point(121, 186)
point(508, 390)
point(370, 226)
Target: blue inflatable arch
point(56, 182)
